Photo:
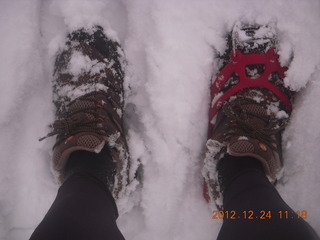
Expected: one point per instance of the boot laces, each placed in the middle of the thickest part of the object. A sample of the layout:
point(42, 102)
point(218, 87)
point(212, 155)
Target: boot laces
point(264, 131)
point(84, 119)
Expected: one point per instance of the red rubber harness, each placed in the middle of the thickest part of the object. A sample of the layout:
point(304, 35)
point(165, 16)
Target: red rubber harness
point(237, 65)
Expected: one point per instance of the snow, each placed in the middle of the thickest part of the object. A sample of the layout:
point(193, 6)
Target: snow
point(170, 47)
point(81, 64)
point(243, 138)
point(72, 92)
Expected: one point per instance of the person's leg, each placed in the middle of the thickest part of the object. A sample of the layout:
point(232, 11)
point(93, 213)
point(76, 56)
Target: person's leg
point(81, 210)
point(84, 207)
point(255, 208)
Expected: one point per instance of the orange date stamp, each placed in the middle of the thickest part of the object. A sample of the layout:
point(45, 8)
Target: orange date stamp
point(263, 215)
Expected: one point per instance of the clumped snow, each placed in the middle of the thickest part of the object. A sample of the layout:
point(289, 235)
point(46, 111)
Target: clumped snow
point(170, 47)
point(80, 64)
point(73, 92)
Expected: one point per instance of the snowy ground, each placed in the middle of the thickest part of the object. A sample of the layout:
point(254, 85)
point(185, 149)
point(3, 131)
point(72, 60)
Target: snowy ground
point(170, 48)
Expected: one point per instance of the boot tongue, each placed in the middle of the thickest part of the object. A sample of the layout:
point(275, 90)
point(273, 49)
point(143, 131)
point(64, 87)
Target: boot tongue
point(252, 119)
point(240, 145)
point(251, 113)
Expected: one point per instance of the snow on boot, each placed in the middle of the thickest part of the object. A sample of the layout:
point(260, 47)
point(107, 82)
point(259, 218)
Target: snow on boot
point(250, 105)
point(88, 95)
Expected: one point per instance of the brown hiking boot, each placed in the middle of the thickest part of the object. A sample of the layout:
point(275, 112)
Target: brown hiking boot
point(88, 95)
point(250, 107)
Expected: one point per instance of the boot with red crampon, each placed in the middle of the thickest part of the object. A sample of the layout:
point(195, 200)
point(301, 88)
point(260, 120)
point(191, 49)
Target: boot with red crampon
point(250, 105)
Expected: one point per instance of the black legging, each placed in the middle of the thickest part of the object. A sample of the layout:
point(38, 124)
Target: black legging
point(253, 209)
point(84, 209)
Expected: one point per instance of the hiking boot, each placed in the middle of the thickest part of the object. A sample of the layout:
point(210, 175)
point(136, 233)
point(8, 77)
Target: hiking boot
point(250, 106)
point(88, 95)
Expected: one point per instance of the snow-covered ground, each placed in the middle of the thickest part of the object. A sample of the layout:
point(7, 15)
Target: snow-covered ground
point(170, 47)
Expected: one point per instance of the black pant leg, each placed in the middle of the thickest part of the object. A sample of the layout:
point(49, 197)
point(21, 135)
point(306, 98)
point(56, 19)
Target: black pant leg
point(251, 196)
point(82, 210)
